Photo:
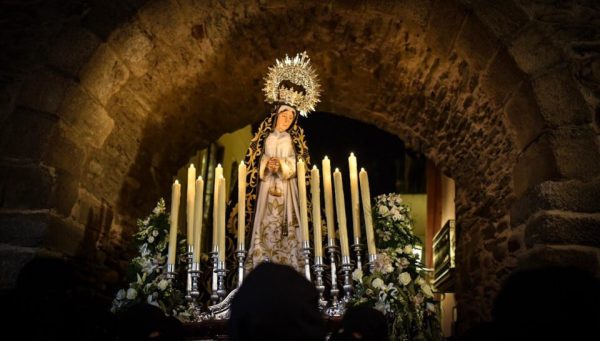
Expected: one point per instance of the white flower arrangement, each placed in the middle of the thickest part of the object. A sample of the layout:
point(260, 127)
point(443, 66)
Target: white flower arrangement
point(398, 286)
point(150, 284)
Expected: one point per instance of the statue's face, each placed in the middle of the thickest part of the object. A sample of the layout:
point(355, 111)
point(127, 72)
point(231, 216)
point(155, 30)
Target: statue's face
point(284, 120)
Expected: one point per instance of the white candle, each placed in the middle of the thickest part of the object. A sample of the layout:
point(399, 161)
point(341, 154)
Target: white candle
point(316, 210)
point(175, 194)
point(301, 172)
point(198, 214)
point(341, 212)
point(355, 208)
point(189, 209)
point(366, 201)
point(327, 192)
point(242, 206)
point(218, 175)
point(222, 219)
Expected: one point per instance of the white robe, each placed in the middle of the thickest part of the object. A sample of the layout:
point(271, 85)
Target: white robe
point(275, 234)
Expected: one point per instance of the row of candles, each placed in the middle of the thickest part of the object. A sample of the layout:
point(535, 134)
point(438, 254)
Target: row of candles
point(194, 210)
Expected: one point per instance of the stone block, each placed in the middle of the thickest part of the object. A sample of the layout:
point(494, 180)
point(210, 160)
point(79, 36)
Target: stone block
point(475, 43)
point(44, 91)
point(104, 74)
point(559, 154)
point(86, 120)
point(132, 44)
point(66, 191)
point(65, 236)
point(72, 49)
point(533, 52)
point(543, 256)
point(444, 24)
point(535, 165)
point(524, 116)
point(12, 260)
point(570, 195)
point(25, 187)
point(577, 152)
point(501, 78)
point(23, 229)
point(26, 136)
point(64, 154)
point(164, 20)
point(503, 18)
point(558, 227)
point(560, 101)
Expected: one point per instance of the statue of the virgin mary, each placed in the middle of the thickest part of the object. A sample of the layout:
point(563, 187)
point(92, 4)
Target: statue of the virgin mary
point(273, 211)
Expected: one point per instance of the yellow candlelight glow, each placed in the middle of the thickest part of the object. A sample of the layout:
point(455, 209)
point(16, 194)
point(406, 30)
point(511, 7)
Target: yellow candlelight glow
point(328, 195)
point(316, 210)
point(301, 172)
point(175, 195)
point(355, 208)
point(341, 212)
point(218, 175)
point(242, 206)
point(198, 214)
point(222, 219)
point(189, 209)
point(366, 201)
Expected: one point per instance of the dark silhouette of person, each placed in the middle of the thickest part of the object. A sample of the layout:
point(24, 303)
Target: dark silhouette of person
point(145, 322)
point(549, 303)
point(275, 302)
point(50, 303)
point(362, 322)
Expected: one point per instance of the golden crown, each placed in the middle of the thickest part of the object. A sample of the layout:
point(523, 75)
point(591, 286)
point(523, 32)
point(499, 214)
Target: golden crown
point(298, 71)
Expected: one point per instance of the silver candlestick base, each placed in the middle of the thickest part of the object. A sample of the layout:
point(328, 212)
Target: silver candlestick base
point(195, 293)
point(306, 257)
point(319, 269)
point(214, 296)
point(241, 257)
point(348, 288)
point(371, 263)
point(358, 247)
point(190, 256)
point(334, 308)
point(171, 274)
point(222, 273)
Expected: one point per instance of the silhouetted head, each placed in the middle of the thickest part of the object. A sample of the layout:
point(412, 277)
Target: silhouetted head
point(276, 303)
point(548, 303)
point(364, 323)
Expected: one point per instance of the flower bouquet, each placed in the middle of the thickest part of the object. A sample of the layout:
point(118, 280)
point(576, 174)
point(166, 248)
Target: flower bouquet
point(398, 286)
point(147, 270)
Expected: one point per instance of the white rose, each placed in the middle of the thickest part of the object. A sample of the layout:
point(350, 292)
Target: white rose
point(408, 249)
point(162, 285)
point(357, 275)
point(378, 283)
point(404, 278)
point(383, 210)
point(150, 239)
point(131, 294)
point(404, 263)
point(430, 307)
point(155, 233)
point(121, 294)
point(427, 290)
point(420, 281)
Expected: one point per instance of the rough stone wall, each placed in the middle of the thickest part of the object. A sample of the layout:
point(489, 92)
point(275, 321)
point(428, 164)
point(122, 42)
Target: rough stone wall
point(101, 102)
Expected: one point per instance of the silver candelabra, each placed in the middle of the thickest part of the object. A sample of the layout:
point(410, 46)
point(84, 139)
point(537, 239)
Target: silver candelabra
point(334, 309)
point(306, 257)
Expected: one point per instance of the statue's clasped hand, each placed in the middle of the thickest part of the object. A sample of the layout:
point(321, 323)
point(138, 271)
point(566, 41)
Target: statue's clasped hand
point(273, 165)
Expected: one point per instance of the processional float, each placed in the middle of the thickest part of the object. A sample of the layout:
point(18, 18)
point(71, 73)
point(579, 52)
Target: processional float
point(220, 295)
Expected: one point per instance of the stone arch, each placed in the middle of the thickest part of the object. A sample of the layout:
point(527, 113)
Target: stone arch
point(489, 92)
